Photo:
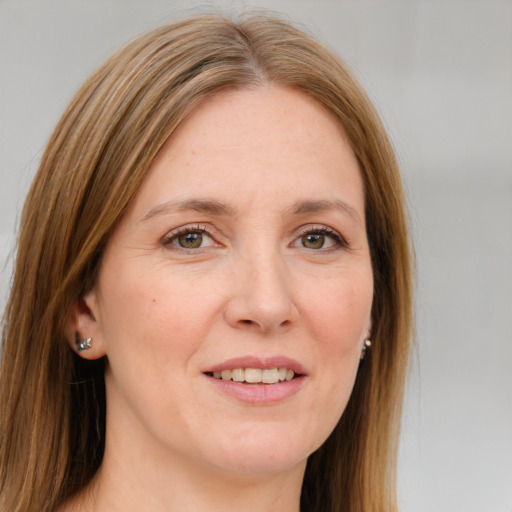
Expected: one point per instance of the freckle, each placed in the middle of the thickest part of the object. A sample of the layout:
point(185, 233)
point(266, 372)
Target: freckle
point(153, 300)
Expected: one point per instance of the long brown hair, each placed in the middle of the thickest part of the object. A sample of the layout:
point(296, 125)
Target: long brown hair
point(52, 403)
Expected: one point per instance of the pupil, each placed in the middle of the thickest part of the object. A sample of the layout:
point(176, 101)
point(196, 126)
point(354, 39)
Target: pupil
point(191, 240)
point(313, 241)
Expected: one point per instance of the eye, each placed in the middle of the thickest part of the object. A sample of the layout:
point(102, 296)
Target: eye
point(189, 238)
point(317, 238)
point(313, 240)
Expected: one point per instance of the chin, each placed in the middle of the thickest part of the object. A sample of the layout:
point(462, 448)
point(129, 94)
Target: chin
point(265, 449)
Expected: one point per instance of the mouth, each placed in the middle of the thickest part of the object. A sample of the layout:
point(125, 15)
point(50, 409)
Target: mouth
point(258, 380)
point(256, 375)
point(270, 370)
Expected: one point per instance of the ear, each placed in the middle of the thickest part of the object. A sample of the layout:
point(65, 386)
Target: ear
point(368, 330)
point(81, 324)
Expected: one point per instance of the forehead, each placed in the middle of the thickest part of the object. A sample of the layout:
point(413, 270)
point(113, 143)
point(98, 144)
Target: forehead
point(243, 140)
point(264, 116)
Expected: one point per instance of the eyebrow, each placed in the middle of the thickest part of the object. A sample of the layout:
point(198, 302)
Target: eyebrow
point(199, 205)
point(214, 207)
point(325, 205)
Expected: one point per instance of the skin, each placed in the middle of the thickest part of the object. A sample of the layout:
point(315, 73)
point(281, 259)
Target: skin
point(256, 285)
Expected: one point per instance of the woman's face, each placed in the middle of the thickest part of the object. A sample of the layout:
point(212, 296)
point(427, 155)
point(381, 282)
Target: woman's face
point(243, 258)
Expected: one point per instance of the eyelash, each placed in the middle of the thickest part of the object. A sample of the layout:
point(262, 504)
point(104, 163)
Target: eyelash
point(185, 230)
point(339, 241)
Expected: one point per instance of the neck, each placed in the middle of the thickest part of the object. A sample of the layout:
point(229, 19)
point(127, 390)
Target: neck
point(118, 487)
point(143, 470)
point(130, 481)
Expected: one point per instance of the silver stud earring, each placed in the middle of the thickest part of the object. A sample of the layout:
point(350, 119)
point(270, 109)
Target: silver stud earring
point(82, 345)
point(366, 346)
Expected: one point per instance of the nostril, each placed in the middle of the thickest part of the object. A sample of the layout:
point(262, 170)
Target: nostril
point(253, 323)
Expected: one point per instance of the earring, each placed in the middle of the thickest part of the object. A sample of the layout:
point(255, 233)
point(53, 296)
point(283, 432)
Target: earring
point(366, 346)
point(82, 345)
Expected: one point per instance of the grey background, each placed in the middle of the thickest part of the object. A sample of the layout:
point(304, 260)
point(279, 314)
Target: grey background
point(440, 73)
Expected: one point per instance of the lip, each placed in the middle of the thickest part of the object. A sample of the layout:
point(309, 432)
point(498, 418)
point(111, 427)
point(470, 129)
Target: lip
point(259, 362)
point(259, 394)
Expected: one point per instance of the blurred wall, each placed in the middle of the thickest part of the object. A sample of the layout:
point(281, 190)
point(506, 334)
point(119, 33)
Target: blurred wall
point(440, 73)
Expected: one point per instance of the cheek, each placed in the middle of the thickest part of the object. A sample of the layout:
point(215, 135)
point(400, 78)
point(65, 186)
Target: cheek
point(153, 309)
point(339, 314)
point(338, 321)
point(152, 328)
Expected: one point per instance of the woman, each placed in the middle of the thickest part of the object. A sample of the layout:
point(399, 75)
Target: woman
point(215, 232)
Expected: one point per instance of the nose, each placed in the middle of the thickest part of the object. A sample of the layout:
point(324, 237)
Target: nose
point(262, 298)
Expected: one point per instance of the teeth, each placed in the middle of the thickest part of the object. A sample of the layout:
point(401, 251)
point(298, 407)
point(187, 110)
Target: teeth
point(238, 374)
point(253, 375)
point(270, 376)
point(256, 375)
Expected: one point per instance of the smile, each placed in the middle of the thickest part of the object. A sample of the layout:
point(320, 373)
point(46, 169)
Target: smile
point(258, 380)
point(255, 375)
